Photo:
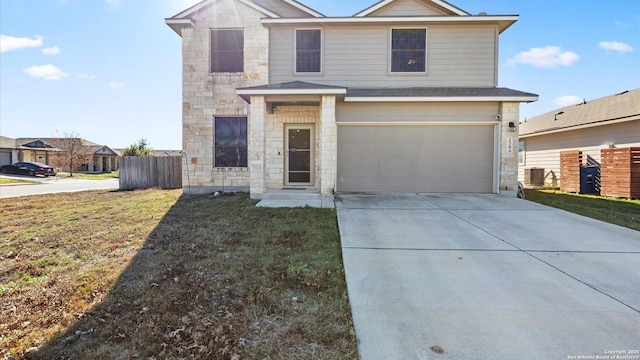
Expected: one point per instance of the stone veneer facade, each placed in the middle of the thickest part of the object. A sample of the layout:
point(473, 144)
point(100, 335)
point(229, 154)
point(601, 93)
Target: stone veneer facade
point(510, 112)
point(207, 94)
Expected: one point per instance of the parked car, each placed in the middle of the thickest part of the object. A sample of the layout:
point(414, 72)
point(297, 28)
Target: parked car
point(28, 168)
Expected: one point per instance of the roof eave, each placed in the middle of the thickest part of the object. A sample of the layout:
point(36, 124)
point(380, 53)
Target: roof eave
point(526, 99)
point(504, 21)
point(579, 127)
point(178, 24)
point(247, 93)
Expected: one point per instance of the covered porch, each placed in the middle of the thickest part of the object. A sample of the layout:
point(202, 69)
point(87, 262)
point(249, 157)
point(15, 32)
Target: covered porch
point(292, 140)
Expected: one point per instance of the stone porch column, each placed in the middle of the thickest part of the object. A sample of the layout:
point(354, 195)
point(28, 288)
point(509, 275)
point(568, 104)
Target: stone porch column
point(256, 146)
point(509, 147)
point(328, 144)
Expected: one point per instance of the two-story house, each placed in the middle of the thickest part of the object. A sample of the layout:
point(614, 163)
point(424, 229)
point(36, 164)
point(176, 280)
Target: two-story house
point(400, 97)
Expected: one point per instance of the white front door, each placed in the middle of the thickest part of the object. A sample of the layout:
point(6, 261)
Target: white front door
point(299, 154)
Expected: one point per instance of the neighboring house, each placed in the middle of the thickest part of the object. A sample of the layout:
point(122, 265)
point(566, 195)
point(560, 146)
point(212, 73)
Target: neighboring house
point(609, 122)
point(14, 150)
point(401, 97)
point(41, 150)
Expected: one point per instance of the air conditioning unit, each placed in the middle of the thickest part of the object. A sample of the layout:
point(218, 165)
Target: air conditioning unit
point(534, 177)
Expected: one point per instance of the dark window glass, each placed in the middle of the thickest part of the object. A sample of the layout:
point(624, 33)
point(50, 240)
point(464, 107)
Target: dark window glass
point(230, 142)
point(408, 50)
point(227, 50)
point(308, 50)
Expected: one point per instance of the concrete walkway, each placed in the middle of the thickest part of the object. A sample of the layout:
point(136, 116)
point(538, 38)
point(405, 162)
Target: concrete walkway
point(296, 198)
point(487, 277)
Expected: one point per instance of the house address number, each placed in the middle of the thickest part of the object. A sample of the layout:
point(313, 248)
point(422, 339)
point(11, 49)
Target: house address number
point(510, 145)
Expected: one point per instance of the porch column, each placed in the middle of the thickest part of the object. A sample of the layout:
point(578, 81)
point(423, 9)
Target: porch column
point(509, 147)
point(256, 146)
point(328, 144)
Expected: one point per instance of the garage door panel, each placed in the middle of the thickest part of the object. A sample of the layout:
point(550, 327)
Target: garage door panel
point(429, 158)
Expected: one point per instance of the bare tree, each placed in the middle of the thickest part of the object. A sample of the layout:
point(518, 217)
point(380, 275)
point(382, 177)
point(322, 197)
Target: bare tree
point(72, 151)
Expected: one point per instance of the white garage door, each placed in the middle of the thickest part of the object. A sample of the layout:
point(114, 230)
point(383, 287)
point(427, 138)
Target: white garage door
point(420, 159)
point(5, 158)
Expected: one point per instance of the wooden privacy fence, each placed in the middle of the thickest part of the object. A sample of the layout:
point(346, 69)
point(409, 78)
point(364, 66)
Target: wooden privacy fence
point(570, 163)
point(144, 172)
point(620, 172)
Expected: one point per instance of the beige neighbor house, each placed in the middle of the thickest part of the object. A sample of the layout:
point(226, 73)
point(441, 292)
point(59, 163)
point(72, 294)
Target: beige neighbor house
point(41, 150)
point(400, 97)
point(609, 122)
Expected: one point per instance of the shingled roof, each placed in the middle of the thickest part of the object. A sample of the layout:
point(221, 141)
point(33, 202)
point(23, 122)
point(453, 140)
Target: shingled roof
point(621, 107)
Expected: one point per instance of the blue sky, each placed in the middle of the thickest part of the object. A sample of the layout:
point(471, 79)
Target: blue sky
point(110, 70)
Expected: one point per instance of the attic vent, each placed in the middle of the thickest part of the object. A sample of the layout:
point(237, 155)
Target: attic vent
point(622, 93)
point(482, 14)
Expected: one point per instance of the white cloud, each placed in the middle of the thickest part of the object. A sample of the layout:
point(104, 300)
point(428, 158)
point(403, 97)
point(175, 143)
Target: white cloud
point(615, 46)
point(51, 51)
point(622, 24)
point(546, 57)
point(568, 100)
point(10, 43)
point(46, 72)
point(85, 76)
point(116, 85)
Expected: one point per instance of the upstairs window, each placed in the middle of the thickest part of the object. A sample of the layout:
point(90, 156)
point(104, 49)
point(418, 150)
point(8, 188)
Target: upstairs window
point(308, 51)
point(230, 135)
point(227, 50)
point(408, 50)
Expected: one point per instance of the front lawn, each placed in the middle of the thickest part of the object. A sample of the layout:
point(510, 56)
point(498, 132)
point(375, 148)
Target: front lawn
point(153, 274)
point(615, 211)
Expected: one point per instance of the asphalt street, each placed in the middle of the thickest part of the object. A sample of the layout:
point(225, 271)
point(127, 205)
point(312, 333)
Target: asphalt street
point(52, 185)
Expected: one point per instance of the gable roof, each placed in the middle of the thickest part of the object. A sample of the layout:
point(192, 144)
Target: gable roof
point(452, 10)
point(185, 18)
point(621, 107)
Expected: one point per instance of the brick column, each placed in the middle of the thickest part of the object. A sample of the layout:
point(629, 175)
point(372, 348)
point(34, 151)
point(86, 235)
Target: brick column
point(328, 145)
point(509, 149)
point(256, 146)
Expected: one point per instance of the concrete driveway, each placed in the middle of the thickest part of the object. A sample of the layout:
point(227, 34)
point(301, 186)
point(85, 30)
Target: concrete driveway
point(487, 277)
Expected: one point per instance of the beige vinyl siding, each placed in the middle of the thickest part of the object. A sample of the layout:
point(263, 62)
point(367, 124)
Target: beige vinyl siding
point(544, 151)
point(406, 8)
point(416, 112)
point(281, 8)
point(353, 56)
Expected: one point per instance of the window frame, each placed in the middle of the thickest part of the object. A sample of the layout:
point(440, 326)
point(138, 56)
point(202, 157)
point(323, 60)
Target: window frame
point(522, 154)
point(426, 52)
point(211, 52)
point(295, 53)
point(244, 162)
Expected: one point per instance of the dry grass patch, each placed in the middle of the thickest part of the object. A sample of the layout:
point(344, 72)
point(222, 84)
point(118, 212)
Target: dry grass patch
point(153, 274)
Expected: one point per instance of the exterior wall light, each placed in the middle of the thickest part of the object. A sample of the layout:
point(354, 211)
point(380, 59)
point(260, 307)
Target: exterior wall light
point(512, 126)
